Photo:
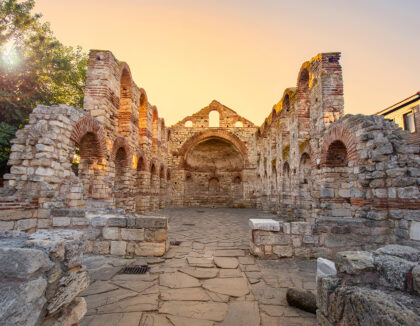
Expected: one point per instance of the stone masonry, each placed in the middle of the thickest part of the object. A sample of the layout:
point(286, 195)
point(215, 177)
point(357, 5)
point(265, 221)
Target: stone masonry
point(41, 277)
point(353, 181)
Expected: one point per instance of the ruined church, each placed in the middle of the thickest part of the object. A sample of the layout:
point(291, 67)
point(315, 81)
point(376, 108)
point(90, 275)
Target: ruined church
point(336, 182)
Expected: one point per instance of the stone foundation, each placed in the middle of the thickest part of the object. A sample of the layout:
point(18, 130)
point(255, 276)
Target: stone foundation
point(41, 278)
point(372, 288)
point(324, 238)
point(113, 232)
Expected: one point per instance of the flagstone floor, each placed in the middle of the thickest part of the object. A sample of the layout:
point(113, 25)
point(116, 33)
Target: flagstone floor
point(209, 279)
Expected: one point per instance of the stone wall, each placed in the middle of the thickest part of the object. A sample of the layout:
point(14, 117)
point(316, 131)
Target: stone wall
point(210, 165)
point(41, 278)
point(353, 178)
point(371, 288)
point(114, 232)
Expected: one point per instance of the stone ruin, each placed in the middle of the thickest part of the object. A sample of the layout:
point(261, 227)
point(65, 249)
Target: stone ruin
point(337, 182)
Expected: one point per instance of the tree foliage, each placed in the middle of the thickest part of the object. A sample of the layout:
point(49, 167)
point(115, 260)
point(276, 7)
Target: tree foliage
point(35, 68)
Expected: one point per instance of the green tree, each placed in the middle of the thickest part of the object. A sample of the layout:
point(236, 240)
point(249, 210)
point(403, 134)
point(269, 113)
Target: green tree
point(35, 68)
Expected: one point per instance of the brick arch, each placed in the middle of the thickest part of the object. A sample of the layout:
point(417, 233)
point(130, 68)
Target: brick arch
point(141, 158)
point(143, 100)
point(90, 125)
point(302, 93)
point(191, 142)
point(339, 133)
point(121, 142)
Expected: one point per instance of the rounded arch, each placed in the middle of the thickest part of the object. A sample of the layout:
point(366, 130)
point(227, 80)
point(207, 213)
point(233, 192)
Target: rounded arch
point(89, 125)
point(155, 123)
point(286, 104)
point(141, 162)
point(214, 118)
point(335, 135)
point(191, 142)
point(152, 168)
point(124, 109)
point(121, 142)
point(142, 114)
point(162, 172)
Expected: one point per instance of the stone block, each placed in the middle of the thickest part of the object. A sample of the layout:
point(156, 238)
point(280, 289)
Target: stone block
point(161, 235)
point(44, 223)
point(68, 316)
point(264, 224)
point(132, 234)
point(404, 252)
point(283, 251)
point(69, 286)
point(354, 262)
point(326, 285)
point(13, 215)
point(22, 262)
point(155, 249)
point(66, 245)
point(98, 221)
point(100, 247)
point(60, 221)
point(415, 230)
point(25, 302)
point(7, 225)
point(393, 271)
point(272, 238)
point(27, 224)
point(151, 222)
point(111, 233)
point(118, 248)
point(117, 221)
point(301, 228)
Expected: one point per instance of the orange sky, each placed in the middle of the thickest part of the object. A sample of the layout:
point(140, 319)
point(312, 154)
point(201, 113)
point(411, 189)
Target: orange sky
point(244, 53)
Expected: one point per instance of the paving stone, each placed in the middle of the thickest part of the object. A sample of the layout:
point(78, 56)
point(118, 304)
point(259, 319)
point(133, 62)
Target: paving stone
point(229, 253)
point(103, 274)
point(214, 311)
point(99, 287)
point(247, 260)
point(217, 297)
point(97, 300)
point(139, 303)
point(138, 286)
point(178, 280)
point(189, 294)
point(153, 319)
point(200, 262)
point(242, 313)
point(228, 273)
point(200, 273)
point(126, 319)
point(234, 287)
point(226, 262)
point(135, 277)
point(269, 295)
point(182, 321)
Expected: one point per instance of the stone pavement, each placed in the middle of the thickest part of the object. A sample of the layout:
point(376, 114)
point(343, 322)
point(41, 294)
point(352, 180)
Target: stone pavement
point(209, 279)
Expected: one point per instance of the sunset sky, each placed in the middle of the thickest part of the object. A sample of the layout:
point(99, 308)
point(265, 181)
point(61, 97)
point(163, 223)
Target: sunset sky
point(244, 53)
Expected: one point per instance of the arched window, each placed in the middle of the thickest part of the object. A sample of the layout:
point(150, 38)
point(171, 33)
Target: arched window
point(239, 124)
point(188, 124)
point(214, 119)
point(124, 111)
point(155, 124)
point(337, 155)
point(213, 185)
point(140, 164)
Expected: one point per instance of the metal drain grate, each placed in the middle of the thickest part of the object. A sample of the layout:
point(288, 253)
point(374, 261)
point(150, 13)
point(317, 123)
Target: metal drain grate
point(135, 270)
point(175, 243)
point(188, 224)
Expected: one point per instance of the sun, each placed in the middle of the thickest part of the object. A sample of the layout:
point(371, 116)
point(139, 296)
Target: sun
point(9, 54)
